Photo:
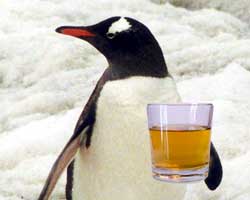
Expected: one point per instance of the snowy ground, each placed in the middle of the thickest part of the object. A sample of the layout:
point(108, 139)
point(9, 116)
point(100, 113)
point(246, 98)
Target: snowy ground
point(45, 79)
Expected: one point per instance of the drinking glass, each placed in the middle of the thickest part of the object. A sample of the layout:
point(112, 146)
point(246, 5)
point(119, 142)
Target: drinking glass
point(180, 141)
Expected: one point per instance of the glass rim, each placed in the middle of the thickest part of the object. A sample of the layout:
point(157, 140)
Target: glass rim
point(180, 104)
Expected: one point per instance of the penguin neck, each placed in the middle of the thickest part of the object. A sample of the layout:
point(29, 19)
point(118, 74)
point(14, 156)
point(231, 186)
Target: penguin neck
point(138, 65)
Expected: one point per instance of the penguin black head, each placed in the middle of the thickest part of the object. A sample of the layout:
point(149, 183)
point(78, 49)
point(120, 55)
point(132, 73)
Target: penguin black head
point(127, 44)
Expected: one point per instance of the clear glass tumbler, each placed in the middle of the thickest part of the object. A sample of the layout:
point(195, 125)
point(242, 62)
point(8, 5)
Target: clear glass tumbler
point(180, 141)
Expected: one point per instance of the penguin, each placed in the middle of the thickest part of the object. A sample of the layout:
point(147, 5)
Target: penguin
point(108, 155)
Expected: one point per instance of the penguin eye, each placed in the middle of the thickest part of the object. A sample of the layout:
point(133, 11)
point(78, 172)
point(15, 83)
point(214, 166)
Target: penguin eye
point(110, 35)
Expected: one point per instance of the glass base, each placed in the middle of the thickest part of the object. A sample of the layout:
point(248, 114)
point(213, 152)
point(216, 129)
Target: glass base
point(180, 176)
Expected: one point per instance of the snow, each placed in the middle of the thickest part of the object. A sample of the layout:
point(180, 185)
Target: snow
point(118, 26)
point(239, 8)
point(228, 91)
point(46, 78)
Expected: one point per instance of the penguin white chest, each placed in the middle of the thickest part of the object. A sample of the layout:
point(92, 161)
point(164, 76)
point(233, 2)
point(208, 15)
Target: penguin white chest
point(118, 164)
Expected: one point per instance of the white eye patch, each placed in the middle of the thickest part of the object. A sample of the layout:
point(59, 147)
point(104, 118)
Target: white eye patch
point(118, 26)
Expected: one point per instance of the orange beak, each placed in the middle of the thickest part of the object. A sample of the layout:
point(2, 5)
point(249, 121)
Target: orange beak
point(74, 31)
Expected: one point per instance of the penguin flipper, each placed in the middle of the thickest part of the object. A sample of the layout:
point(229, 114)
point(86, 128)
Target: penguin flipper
point(61, 163)
point(215, 170)
point(82, 134)
point(69, 184)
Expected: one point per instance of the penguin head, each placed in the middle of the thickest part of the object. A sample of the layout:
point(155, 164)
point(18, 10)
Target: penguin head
point(125, 42)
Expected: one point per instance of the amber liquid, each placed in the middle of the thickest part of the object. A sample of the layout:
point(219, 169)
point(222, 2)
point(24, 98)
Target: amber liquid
point(180, 147)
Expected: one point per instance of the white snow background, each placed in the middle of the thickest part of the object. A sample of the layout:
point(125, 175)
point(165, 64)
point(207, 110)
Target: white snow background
point(46, 78)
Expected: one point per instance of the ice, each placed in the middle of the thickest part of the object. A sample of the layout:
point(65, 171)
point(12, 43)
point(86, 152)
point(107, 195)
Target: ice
point(46, 78)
